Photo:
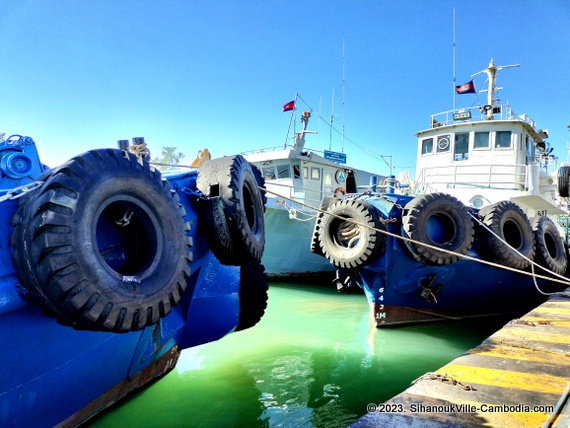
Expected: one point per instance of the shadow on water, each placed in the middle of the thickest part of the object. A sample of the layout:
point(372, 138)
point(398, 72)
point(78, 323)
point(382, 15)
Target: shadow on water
point(313, 361)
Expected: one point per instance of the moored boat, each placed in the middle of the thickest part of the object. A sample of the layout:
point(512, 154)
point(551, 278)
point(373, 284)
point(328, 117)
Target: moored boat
point(108, 273)
point(296, 179)
point(481, 232)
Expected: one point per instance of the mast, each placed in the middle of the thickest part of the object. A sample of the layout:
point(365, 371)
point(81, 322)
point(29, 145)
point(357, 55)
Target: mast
point(331, 122)
point(491, 71)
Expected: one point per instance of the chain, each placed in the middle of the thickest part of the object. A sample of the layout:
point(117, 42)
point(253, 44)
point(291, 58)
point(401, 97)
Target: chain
point(444, 379)
point(20, 191)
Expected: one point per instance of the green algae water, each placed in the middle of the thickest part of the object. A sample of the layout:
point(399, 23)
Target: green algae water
point(314, 360)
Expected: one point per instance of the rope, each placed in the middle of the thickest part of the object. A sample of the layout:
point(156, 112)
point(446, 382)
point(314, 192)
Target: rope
point(564, 281)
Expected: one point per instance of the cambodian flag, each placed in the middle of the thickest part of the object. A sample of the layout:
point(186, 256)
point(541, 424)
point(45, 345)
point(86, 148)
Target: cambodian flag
point(466, 88)
point(289, 106)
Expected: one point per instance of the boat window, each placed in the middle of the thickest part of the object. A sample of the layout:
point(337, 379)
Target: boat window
point(315, 173)
point(283, 171)
point(328, 179)
point(481, 140)
point(269, 173)
point(427, 146)
point(296, 171)
point(503, 139)
point(305, 172)
point(529, 150)
point(461, 147)
point(443, 143)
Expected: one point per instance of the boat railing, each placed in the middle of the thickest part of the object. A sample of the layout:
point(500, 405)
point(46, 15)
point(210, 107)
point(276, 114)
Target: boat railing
point(478, 113)
point(486, 176)
point(310, 197)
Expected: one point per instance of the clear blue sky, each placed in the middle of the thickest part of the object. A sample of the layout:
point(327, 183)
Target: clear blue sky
point(82, 74)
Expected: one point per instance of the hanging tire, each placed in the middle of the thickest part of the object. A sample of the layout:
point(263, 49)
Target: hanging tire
point(315, 244)
point(103, 244)
point(550, 250)
point(564, 181)
point(509, 222)
point(348, 245)
point(440, 220)
point(252, 295)
point(233, 211)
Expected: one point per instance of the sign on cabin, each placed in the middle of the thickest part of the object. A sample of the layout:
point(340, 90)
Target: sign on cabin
point(335, 157)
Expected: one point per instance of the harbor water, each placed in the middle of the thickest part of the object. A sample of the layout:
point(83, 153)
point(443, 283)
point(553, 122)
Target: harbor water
point(314, 360)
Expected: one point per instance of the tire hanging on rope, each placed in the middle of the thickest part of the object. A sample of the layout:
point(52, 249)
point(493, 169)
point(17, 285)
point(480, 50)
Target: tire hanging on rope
point(349, 245)
point(252, 295)
point(233, 211)
point(103, 243)
point(440, 220)
point(509, 222)
point(550, 249)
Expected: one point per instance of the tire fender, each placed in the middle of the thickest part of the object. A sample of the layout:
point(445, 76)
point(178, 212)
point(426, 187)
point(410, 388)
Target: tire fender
point(233, 210)
point(440, 220)
point(348, 245)
point(509, 222)
point(550, 250)
point(103, 244)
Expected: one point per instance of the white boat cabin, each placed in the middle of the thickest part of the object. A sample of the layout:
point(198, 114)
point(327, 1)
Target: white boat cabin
point(483, 155)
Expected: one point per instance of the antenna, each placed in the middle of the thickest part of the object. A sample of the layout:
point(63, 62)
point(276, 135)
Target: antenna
point(342, 95)
point(454, 64)
point(331, 122)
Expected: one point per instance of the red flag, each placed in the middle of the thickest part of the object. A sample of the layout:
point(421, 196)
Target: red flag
point(466, 88)
point(289, 106)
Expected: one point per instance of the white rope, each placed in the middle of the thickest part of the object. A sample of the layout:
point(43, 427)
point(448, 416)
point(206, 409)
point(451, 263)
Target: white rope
point(564, 280)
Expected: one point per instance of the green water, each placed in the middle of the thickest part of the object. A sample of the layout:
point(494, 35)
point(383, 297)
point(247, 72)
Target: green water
point(312, 361)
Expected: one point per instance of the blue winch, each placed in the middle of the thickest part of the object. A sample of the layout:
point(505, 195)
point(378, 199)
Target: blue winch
point(19, 162)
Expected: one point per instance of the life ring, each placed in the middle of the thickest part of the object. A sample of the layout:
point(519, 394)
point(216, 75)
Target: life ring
point(103, 243)
point(509, 222)
point(440, 220)
point(339, 192)
point(233, 210)
point(564, 181)
point(252, 295)
point(550, 251)
point(348, 245)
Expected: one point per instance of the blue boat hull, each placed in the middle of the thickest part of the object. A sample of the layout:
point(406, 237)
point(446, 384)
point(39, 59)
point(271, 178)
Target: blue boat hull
point(56, 374)
point(402, 290)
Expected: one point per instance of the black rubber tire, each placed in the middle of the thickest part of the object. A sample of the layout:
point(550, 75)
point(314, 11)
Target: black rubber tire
point(87, 270)
point(252, 295)
point(425, 215)
point(233, 210)
point(564, 181)
point(351, 253)
point(508, 221)
point(315, 244)
point(550, 249)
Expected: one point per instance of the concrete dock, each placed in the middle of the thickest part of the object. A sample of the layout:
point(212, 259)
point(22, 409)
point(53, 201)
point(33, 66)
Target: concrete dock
point(518, 377)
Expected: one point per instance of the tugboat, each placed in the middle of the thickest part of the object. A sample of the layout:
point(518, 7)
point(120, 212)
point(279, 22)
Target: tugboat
point(110, 269)
point(296, 176)
point(483, 230)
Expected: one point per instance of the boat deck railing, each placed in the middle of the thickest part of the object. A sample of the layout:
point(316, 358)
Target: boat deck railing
point(507, 177)
point(311, 197)
point(504, 112)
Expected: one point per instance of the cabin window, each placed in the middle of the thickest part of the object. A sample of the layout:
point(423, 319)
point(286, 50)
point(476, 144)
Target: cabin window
point(529, 150)
point(283, 171)
point(427, 146)
point(306, 172)
point(503, 139)
point(461, 147)
point(481, 140)
point(296, 171)
point(443, 144)
point(269, 173)
point(315, 173)
point(328, 179)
